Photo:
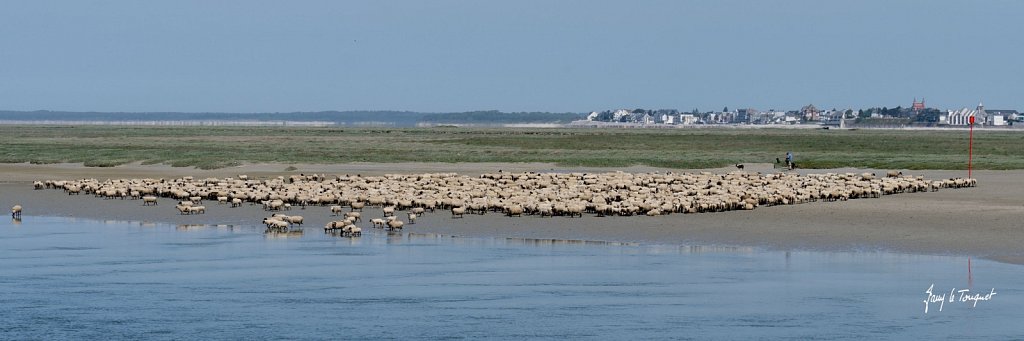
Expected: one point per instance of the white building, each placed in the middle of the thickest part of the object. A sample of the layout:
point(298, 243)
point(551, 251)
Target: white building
point(668, 119)
point(647, 119)
point(619, 114)
point(960, 117)
point(687, 119)
point(996, 120)
point(963, 116)
point(592, 116)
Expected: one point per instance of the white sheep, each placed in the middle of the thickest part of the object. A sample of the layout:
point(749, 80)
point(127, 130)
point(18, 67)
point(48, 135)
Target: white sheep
point(458, 212)
point(354, 215)
point(395, 225)
point(273, 205)
point(334, 225)
point(16, 211)
point(563, 194)
point(351, 230)
point(575, 210)
point(277, 224)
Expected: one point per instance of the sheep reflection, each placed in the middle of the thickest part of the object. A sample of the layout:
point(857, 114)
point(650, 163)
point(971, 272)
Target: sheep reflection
point(282, 234)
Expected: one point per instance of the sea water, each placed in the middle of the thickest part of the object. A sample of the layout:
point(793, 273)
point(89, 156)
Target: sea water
point(64, 278)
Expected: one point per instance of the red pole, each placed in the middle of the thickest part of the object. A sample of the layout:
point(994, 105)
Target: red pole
point(970, 149)
point(970, 276)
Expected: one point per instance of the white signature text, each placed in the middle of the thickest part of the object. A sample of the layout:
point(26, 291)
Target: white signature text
point(954, 296)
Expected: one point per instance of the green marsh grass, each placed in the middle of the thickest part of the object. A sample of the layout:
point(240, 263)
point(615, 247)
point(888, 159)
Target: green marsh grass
point(218, 147)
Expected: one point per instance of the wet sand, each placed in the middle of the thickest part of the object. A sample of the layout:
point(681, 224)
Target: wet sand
point(981, 222)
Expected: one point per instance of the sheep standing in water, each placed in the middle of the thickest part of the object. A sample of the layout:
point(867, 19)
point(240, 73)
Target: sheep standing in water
point(356, 216)
point(351, 231)
point(294, 219)
point(458, 212)
point(275, 223)
point(148, 200)
point(335, 225)
point(16, 211)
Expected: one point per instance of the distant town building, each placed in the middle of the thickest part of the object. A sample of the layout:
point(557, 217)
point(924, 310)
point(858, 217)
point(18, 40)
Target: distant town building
point(995, 120)
point(668, 119)
point(619, 114)
point(1008, 116)
point(688, 119)
point(810, 112)
point(963, 116)
point(745, 115)
point(647, 118)
point(918, 106)
point(918, 114)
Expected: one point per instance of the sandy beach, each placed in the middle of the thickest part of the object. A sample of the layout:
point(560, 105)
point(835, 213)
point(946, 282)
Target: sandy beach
point(978, 222)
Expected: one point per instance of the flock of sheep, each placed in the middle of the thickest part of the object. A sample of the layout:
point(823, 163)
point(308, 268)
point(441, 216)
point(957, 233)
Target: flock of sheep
point(513, 194)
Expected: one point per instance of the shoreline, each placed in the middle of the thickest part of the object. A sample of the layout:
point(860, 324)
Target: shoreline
point(979, 222)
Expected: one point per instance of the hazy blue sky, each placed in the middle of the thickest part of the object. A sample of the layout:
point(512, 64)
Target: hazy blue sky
point(260, 56)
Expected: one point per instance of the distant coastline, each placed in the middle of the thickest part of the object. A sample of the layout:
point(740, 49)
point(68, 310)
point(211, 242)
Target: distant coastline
point(211, 123)
point(399, 119)
point(581, 124)
point(650, 119)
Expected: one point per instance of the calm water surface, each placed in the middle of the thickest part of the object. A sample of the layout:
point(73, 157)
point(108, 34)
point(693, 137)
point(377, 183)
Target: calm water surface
point(81, 279)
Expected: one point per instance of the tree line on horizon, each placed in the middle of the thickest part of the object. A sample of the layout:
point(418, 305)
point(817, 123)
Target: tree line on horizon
point(397, 118)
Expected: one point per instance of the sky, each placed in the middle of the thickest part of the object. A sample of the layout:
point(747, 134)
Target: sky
point(522, 55)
